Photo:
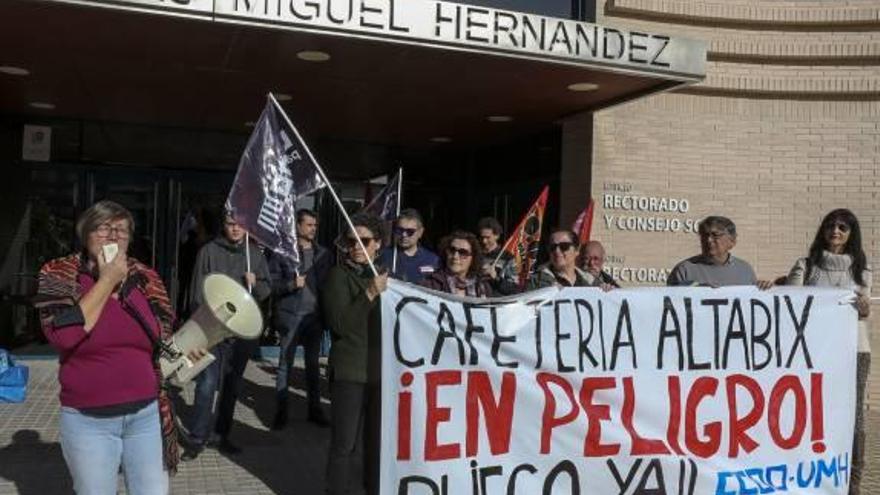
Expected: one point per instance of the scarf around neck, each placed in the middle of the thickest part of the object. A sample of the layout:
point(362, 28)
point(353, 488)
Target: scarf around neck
point(58, 287)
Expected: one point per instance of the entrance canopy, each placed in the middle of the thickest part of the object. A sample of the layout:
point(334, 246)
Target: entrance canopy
point(399, 72)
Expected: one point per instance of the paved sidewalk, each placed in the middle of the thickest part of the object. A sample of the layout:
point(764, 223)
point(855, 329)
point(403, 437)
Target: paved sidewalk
point(287, 462)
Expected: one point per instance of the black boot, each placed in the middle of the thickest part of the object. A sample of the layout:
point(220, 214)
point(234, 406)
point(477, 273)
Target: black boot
point(191, 452)
point(317, 416)
point(280, 420)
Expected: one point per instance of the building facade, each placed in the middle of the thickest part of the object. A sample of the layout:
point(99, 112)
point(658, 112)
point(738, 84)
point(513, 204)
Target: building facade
point(785, 127)
point(153, 108)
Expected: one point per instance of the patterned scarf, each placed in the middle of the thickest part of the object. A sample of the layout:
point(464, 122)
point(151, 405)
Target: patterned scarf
point(59, 289)
point(468, 285)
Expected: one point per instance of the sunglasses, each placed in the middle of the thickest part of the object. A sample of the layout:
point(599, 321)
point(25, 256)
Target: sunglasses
point(464, 253)
point(839, 226)
point(353, 241)
point(562, 246)
point(405, 232)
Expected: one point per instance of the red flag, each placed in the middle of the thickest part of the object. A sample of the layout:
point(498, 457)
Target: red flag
point(525, 240)
point(584, 223)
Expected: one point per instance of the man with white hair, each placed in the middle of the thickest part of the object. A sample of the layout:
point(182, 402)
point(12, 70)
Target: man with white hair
point(592, 260)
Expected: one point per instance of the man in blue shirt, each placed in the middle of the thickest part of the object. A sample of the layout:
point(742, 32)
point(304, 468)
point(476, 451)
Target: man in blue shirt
point(414, 262)
point(715, 266)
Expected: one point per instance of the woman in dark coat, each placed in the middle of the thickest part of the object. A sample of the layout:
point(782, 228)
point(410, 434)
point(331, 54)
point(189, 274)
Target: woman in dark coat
point(460, 271)
point(352, 311)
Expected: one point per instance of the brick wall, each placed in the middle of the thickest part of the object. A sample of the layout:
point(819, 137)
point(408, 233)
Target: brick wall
point(785, 128)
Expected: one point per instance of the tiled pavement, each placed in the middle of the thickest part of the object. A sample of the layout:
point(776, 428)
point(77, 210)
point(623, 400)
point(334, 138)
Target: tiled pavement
point(287, 462)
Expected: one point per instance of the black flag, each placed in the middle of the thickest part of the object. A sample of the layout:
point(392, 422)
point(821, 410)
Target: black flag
point(274, 171)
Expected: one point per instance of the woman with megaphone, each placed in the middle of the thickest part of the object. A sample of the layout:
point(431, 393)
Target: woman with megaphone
point(105, 314)
point(352, 311)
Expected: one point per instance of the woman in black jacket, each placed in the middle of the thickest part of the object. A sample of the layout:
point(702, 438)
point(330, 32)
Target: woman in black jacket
point(352, 311)
point(460, 272)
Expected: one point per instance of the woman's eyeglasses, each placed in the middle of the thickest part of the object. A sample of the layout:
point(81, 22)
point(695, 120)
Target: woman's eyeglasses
point(464, 253)
point(104, 230)
point(562, 246)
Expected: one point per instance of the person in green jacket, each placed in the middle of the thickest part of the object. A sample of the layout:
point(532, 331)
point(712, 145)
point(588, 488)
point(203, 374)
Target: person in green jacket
point(351, 309)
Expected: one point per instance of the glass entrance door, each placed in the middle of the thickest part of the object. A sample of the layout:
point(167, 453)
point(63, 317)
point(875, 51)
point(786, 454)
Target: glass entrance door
point(196, 204)
point(139, 191)
point(175, 213)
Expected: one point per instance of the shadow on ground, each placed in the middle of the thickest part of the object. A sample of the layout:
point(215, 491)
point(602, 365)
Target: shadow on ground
point(34, 466)
point(268, 454)
point(291, 460)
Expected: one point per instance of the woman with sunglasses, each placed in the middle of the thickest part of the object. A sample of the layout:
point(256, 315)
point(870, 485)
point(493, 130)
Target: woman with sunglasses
point(352, 311)
point(460, 267)
point(836, 259)
point(562, 270)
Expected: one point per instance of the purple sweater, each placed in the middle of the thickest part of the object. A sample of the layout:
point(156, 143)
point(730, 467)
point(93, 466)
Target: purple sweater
point(113, 363)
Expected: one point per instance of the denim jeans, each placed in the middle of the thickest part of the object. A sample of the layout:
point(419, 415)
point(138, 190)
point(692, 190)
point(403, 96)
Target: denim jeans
point(299, 330)
point(95, 446)
point(217, 389)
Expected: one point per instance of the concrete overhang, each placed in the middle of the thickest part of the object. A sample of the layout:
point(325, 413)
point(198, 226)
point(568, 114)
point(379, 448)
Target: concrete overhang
point(400, 72)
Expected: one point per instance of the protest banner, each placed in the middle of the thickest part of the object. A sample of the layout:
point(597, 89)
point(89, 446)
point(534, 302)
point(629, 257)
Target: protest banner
point(676, 391)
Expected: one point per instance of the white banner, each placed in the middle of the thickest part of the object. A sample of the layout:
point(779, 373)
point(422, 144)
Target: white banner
point(676, 391)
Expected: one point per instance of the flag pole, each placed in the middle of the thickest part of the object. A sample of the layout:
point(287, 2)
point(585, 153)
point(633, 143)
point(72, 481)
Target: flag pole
point(326, 181)
point(247, 258)
point(397, 214)
point(501, 253)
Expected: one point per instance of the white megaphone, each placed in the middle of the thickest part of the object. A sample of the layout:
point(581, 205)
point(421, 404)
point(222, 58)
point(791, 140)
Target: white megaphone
point(228, 311)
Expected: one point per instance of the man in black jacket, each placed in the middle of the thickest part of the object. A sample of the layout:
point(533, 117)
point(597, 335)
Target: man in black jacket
point(298, 317)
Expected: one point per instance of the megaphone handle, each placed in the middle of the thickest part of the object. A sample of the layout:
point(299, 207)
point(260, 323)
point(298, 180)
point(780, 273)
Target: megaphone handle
point(189, 369)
